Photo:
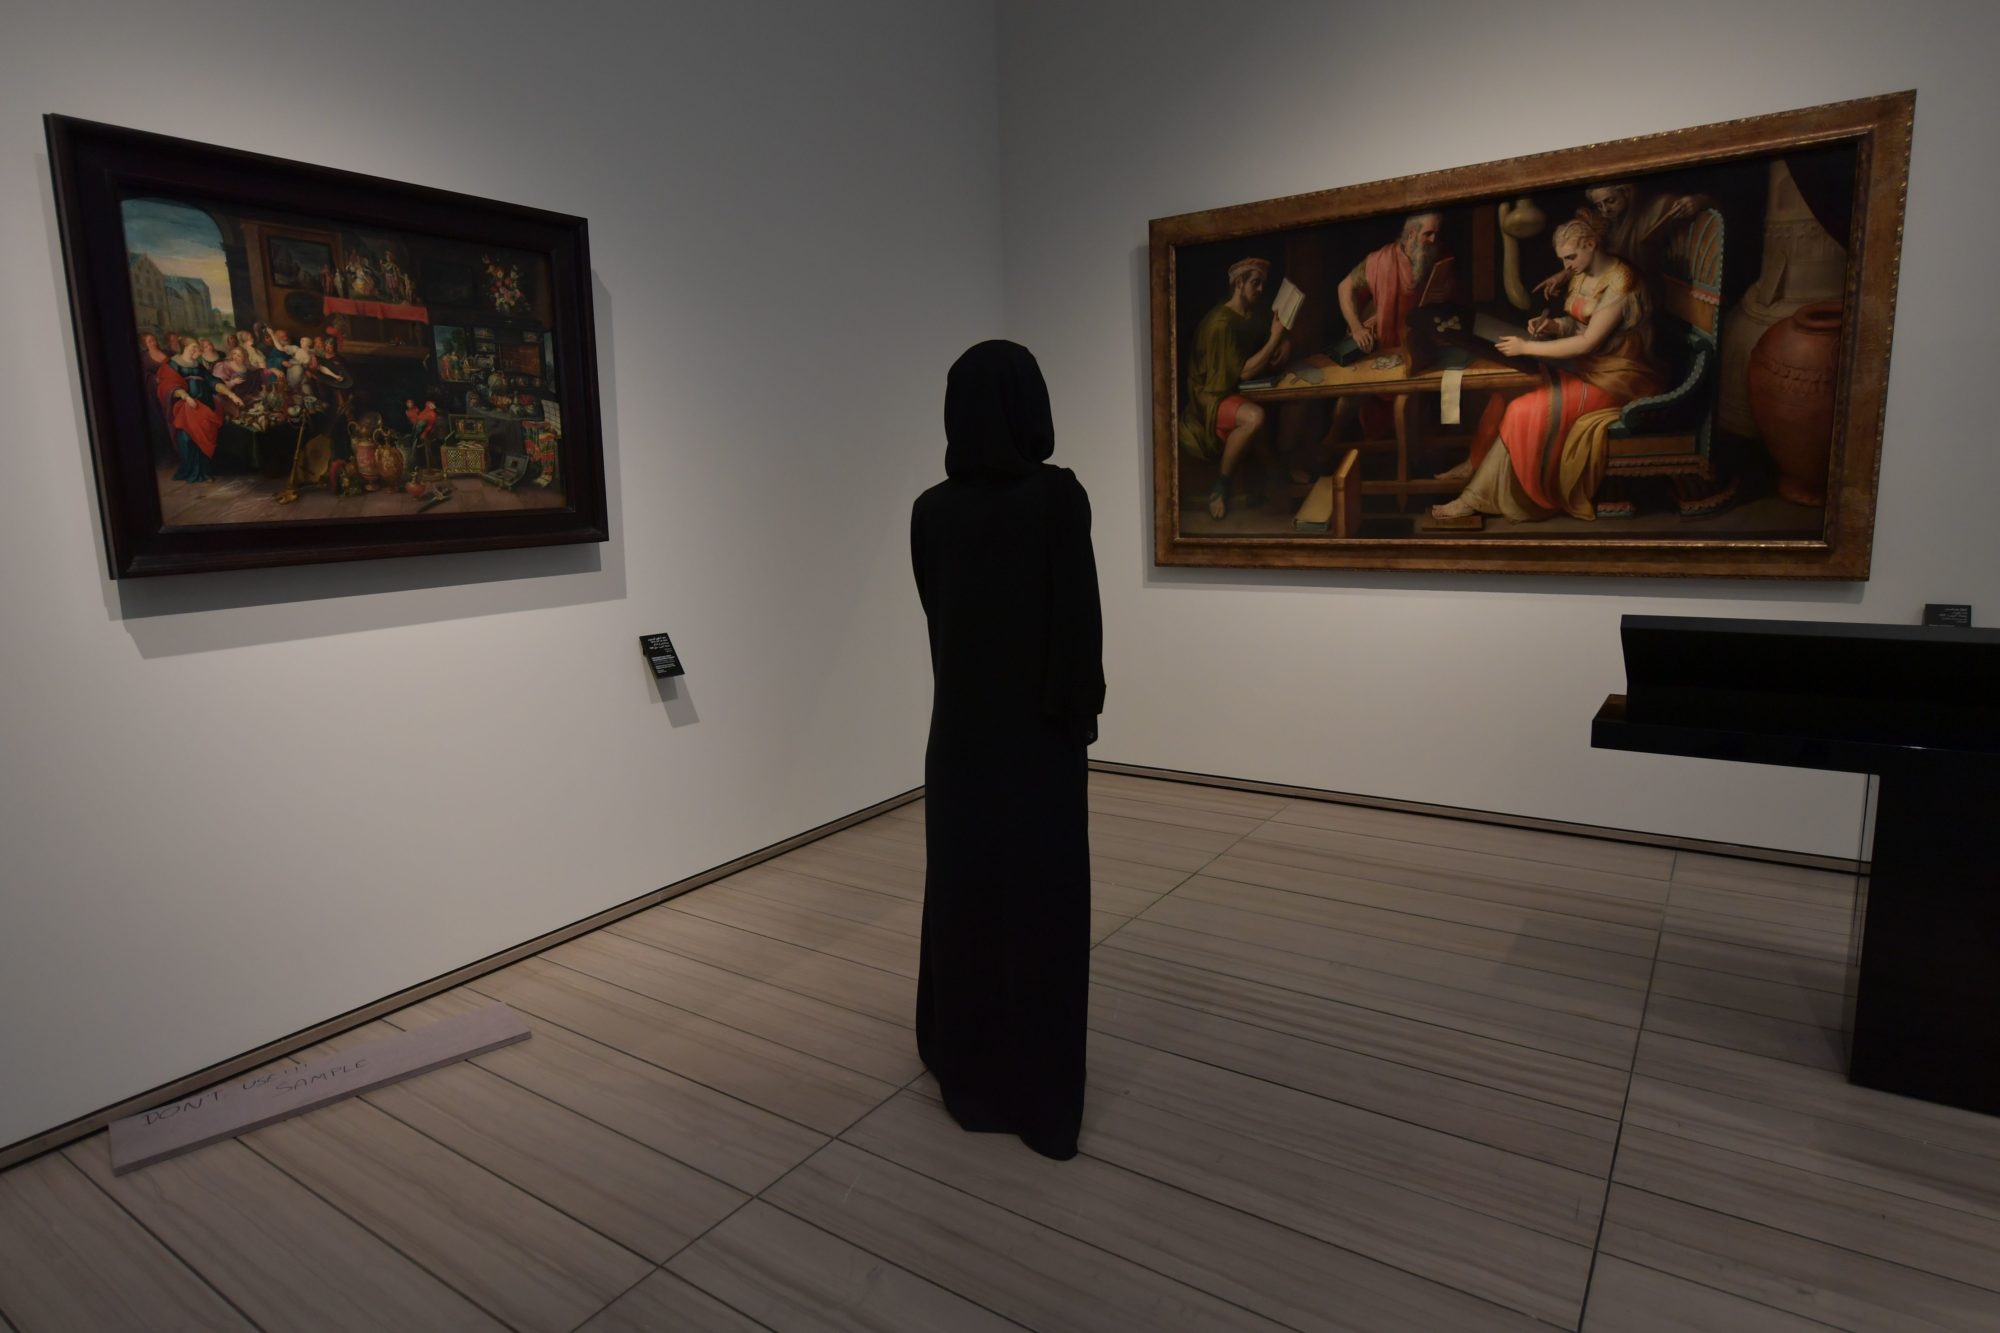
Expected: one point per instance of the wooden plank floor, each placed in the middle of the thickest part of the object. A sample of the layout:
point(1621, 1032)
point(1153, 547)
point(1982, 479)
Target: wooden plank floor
point(1349, 1069)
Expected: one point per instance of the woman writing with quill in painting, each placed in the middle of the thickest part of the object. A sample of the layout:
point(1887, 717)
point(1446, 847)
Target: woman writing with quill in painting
point(1598, 355)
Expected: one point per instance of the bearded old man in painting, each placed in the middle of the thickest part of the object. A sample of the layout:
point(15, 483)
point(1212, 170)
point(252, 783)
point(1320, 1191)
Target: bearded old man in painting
point(1392, 279)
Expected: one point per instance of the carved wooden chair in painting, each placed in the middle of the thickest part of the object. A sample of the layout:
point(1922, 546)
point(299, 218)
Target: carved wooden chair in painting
point(1670, 436)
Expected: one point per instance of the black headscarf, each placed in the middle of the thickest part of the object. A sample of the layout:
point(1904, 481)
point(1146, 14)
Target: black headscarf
point(996, 414)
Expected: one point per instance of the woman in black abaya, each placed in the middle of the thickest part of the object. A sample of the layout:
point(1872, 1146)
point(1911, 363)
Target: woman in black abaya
point(1009, 587)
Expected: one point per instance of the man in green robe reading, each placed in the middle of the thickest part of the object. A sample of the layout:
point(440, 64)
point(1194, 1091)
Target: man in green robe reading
point(1217, 423)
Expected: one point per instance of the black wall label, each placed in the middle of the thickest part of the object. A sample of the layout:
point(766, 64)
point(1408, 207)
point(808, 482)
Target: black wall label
point(659, 650)
point(1947, 613)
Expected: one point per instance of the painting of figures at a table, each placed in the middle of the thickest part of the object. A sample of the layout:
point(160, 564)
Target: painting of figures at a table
point(300, 369)
point(1652, 357)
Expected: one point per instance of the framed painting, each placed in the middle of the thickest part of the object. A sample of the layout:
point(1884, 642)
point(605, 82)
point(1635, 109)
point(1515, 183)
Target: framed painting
point(285, 364)
point(1660, 356)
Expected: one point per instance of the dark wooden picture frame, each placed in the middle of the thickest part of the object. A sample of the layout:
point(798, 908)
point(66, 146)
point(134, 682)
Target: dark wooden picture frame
point(1700, 205)
point(375, 348)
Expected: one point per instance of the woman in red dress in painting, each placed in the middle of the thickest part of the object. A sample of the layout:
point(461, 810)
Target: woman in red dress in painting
point(180, 383)
point(1552, 455)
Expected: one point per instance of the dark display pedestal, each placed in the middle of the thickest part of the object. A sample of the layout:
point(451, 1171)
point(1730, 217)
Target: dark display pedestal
point(1915, 707)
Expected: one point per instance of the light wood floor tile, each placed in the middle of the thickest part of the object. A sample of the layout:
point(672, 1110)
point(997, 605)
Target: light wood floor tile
point(1748, 960)
point(665, 1303)
point(1560, 995)
point(1895, 1158)
point(645, 1200)
point(1539, 1076)
point(898, 844)
point(1793, 1273)
point(1817, 1092)
point(1753, 995)
point(1583, 881)
point(1829, 946)
point(800, 1087)
point(513, 1254)
point(1163, 829)
point(845, 866)
point(1495, 1260)
point(1447, 1006)
point(1473, 1176)
point(1237, 1256)
point(845, 902)
point(1157, 791)
point(1182, 816)
point(1103, 925)
point(1006, 1263)
point(1625, 1298)
point(1889, 1226)
point(1121, 888)
point(1135, 843)
point(71, 1259)
point(872, 946)
point(886, 995)
point(1801, 1043)
point(1784, 902)
point(723, 1136)
point(277, 1251)
point(1527, 922)
point(1764, 879)
point(1745, 912)
point(1625, 970)
point(792, 1276)
point(1156, 880)
point(1620, 858)
point(1259, 846)
point(873, 1046)
point(1119, 899)
point(1467, 1110)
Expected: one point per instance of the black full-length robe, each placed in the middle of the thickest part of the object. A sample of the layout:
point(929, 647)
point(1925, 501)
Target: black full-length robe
point(1009, 587)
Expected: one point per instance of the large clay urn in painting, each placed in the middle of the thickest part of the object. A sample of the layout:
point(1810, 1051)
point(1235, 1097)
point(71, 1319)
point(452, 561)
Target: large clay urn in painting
point(1790, 381)
point(1802, 264)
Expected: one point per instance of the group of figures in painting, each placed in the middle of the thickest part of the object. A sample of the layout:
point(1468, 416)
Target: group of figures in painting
point(296, 360)
point(1623, 382)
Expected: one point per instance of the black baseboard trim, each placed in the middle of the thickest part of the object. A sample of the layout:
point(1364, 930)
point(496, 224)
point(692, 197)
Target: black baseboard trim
point(1771, 855)
point(221, 1071)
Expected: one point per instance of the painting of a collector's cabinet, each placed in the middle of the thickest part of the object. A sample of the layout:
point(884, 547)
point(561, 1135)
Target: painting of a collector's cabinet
point(1662, 355)
point(288, 364)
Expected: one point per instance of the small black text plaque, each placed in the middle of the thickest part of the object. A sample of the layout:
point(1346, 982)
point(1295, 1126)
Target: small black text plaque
point(1948, 613)
point(659, 650)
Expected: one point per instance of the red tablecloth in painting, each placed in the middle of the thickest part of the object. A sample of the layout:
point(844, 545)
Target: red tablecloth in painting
point(341, 305)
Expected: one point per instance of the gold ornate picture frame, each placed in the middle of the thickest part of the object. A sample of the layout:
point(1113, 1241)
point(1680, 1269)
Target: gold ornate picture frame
point(1665, 355)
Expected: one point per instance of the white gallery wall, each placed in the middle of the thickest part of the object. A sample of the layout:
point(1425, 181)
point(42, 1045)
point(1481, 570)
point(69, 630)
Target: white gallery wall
point(234, 805)
point(1470, 691)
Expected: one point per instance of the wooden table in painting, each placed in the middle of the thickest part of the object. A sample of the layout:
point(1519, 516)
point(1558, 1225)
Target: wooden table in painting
point(1914, 707)
point(1387, 376)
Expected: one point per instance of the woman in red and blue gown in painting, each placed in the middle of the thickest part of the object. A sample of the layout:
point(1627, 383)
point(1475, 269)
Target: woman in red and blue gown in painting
point(1553, 438)
point(185, 392)
point(1009, 588)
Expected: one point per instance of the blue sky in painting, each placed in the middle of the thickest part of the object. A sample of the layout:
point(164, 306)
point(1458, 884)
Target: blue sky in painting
point(182, 240)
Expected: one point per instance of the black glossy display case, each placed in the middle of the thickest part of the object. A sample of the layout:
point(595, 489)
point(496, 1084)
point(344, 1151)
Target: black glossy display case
point(1919, 708)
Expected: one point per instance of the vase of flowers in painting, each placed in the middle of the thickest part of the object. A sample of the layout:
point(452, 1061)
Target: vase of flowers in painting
point(1790, 383)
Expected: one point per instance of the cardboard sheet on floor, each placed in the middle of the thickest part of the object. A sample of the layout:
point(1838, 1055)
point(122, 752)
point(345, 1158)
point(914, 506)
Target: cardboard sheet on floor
point(236, 1107)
